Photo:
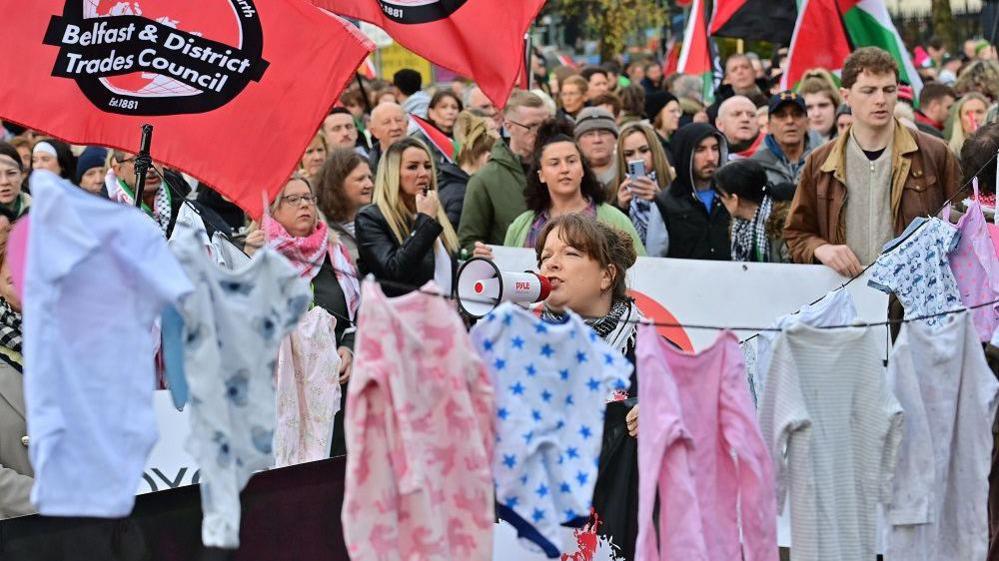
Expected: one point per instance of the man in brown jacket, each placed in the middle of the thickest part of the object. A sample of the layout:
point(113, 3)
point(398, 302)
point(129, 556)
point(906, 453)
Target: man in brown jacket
point(862, 189)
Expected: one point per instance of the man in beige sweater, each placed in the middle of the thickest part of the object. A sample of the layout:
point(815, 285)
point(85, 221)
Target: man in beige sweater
point(862, 189)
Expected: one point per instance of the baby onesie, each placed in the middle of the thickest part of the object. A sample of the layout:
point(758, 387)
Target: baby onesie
point(700, 441)
point(308, 390)
point(914, 267)
point(419, 431)
point(233, 325)
point(552, 385)
point(97, 276)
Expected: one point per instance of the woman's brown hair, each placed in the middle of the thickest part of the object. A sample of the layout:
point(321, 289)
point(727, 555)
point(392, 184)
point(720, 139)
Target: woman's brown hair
point(331, 199)
point(611, 248)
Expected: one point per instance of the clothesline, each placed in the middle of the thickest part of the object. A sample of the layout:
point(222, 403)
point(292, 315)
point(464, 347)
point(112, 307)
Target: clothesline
point(481, 300)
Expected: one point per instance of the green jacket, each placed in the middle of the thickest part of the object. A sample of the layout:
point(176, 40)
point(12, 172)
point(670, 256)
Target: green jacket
point(493, 199)
point(516, 236)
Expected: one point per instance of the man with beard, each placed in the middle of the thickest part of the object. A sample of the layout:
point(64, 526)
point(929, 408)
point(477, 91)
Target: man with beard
point(737, 121)
point(695, 218)
point(787, 145)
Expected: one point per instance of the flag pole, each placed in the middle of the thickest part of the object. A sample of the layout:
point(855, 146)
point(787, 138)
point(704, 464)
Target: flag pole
point(527, 61)
point(142, 162)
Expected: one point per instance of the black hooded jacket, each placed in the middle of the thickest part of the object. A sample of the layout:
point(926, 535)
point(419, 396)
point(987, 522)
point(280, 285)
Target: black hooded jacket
point(694, 233)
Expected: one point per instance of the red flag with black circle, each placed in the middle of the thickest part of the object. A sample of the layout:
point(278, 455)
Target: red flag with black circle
point(479, 39)
point(235, 89)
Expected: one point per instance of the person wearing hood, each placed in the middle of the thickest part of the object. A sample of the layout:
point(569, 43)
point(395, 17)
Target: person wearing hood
point(787, 144)
point(696, 220)
point(476, 145)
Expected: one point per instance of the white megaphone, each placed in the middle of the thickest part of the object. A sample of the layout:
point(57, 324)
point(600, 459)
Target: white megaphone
point(482, 286)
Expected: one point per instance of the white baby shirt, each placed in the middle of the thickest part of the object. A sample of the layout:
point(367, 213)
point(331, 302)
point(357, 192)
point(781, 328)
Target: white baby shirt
point(98, 275)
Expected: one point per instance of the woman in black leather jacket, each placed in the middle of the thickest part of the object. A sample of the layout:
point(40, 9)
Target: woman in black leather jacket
point(405, 238)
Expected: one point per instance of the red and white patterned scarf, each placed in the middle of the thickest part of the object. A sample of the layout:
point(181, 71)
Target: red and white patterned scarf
point(308, 253)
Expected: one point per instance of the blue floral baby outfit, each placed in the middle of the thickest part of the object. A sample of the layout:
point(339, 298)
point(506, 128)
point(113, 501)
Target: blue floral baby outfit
point(233, 325)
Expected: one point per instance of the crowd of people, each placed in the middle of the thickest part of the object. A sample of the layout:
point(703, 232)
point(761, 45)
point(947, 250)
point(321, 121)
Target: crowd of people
point(594, 167)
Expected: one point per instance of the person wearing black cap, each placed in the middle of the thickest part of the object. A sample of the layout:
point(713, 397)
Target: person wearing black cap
point(787, 144)
point(13, 201)
point(55, 156)
point(409, 93)
point(90, 169)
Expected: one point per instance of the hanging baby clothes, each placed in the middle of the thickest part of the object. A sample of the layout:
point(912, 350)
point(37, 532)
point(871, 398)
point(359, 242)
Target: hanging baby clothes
point(697, 422)
point(308, 390)
point(942, 380)
point(552, 385)
point(914, 267)
point(833, 428)
point(835, 308)
point(98, 275)
point(233, 326)
point(976, 269)
point(420, 435)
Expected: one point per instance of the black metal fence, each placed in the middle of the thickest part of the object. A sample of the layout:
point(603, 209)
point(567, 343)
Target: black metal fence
point(916, 29)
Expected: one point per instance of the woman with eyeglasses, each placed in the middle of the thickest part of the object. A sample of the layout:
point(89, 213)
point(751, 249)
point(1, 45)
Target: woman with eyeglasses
point(294, 227)
point(405, 237)
point(639, 150)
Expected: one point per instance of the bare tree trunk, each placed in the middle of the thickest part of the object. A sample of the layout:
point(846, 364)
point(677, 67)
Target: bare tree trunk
point(943, 24)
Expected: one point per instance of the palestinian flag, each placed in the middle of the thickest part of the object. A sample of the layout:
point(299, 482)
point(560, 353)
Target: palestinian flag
point(696, 54)
point(869, 25)
point(827, 31)
point(755, 20)
point(439, 141)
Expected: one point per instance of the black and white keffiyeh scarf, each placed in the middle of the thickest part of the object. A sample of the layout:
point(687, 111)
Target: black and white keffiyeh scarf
point(10, 327)
point(749, 237)
point(619, 328)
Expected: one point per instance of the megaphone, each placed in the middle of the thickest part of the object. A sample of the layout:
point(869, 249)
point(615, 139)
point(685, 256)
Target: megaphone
point(482, 286)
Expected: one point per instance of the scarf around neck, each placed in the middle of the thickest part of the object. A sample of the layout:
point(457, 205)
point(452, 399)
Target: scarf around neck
point(749, 237)
point(162, 210)
point(308, 253)
point(619, 328)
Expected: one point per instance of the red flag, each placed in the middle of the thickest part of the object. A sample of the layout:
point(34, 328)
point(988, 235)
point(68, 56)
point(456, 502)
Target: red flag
point(481, 39)
point(819, 40)
point(441, 142)
point(234, 89)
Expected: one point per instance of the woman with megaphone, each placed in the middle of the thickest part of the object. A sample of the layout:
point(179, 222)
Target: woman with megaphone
point(586, 262)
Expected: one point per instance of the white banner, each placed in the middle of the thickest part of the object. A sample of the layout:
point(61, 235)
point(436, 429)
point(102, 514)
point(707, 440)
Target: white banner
point(667, 290)
point(715, 293)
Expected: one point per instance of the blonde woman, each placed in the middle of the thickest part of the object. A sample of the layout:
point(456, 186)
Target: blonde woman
point(314, 158)
point(635, 194)
point(472, 135)
point(967, 115)
point(405, 237)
